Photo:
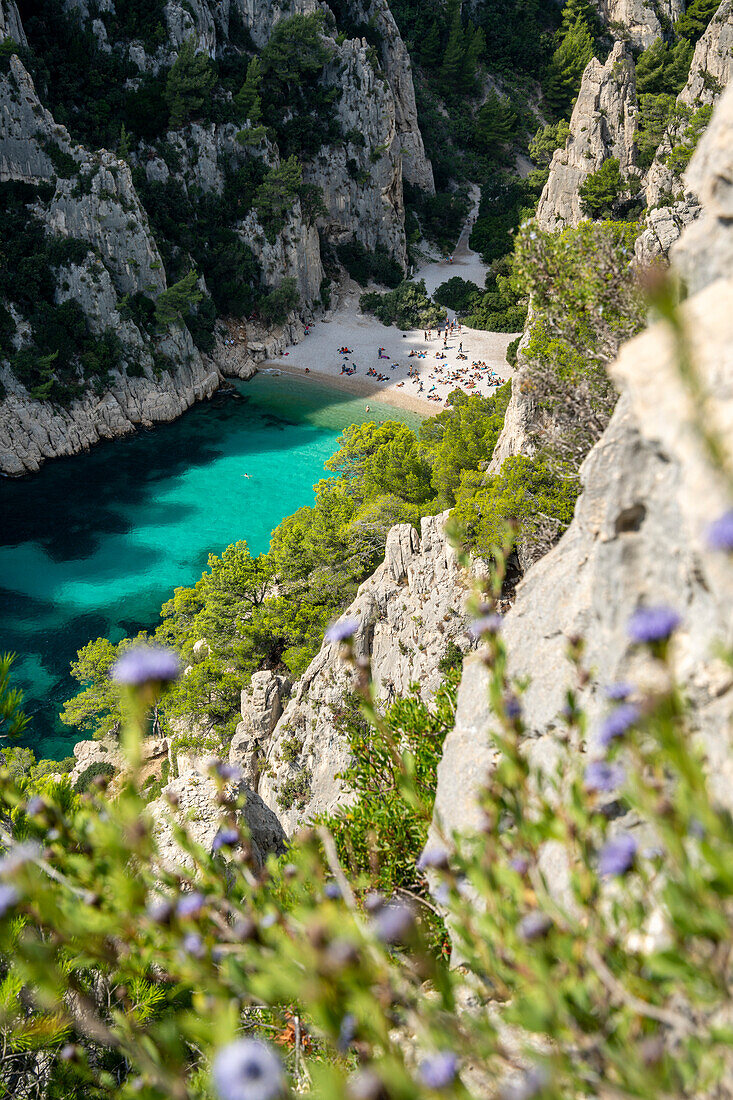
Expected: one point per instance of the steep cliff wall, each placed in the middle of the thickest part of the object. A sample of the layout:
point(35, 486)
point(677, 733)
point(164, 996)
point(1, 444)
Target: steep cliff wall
point(638, 537)
point(603, 125)
point(409, 611)
point(710, 72)
point(640, 22)
point(94, 200)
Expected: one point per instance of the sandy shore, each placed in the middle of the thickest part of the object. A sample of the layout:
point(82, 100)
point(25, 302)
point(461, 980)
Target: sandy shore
point(421, 381)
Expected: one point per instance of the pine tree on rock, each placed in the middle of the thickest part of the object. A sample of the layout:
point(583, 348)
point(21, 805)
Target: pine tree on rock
point(189, 84)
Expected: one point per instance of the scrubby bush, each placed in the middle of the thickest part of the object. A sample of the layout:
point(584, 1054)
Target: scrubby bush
point(98, 767)
point(457, 294)
point(408, 306)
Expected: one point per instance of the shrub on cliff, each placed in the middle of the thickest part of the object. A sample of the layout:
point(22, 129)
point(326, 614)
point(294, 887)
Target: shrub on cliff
point(189, 84)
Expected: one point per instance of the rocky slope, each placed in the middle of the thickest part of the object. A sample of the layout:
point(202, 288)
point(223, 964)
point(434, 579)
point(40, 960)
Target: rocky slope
point(602, 125)
point(90, 197)
point(409, 611)
point(638, 537)
point(639, 22)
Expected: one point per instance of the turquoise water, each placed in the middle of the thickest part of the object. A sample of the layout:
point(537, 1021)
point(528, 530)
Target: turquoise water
point(93, 545)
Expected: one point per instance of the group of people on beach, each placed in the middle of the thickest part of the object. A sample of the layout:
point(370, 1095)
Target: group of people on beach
point(443, 374)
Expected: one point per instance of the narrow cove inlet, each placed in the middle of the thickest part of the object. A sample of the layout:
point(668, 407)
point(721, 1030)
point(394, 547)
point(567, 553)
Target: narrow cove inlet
point(93, 545)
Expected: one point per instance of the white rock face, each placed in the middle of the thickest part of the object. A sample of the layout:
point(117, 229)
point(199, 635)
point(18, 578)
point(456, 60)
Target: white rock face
point(638, 537)
point(705, 252)
point(198, 811)
point(603, 125)
point(640, 22)
point(10, 23)
point(362, 185)
point(710, 72)
point(409, 610)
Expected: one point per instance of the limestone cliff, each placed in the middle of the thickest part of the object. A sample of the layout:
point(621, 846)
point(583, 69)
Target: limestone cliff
point(710, 72)
point(640, 22)
point(409, 611)
point(90, 197)
point(638, 536)
point(603, 125)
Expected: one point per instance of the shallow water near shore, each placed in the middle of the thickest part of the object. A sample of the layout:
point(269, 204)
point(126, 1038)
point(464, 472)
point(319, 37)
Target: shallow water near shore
point(93, 545)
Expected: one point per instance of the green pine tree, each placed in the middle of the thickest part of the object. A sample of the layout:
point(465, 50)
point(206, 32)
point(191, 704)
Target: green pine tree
point(430, 49)
point(495, 124)
point(123, 148)
point(693, 24)
point(248, 99)
point(565, 70)
point(475, 46)
point(601, 189)
point(189, 84)
point(177, 299)
point(451, 69)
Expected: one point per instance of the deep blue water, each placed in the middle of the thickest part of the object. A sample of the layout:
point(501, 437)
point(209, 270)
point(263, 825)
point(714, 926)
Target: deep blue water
point(93, 545)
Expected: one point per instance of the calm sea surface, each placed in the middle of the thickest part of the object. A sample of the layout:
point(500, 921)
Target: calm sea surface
point(93, 545)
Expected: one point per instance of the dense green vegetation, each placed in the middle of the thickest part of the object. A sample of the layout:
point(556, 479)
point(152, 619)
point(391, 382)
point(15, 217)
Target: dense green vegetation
point(364, 265)
point(407, 306)
point(61, 355)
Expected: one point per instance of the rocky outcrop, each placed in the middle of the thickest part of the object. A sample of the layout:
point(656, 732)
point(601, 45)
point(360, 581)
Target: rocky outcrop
point(10, 23)
point(261, 708)
point(409, 611)
point(638, 537)
point(705, 252)
point(107, 750)
point(640, 22)
point(664, 225)
point(710, 72)
point(603, 125)
point(191, 802)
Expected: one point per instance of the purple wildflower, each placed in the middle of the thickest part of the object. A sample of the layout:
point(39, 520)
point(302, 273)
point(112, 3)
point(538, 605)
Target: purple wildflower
point(190, 905)
point(438, 1071)
point(619, 691)
point(340, 631)
point(512, 706)
point(617, 723)
point(530, 1084)
point(248, 1069)
point(332, 890)
point(441, 893)
point(373, 901)
point(534, 926)
point(617, 856)
point(160, 910)
point(347, 1032)
point(602, 776)
point(436, 858)
point(35, 806)
point(8, 897)
point(229, 772)
point(520, 864)
point(365, 1085)
point(487, 624)
point(144, 664)
point(394, 922)
point(652, 624)
point(193, 945)
point(720, 533)
point(696, 829)
point(225, 838)
point(18, 856)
